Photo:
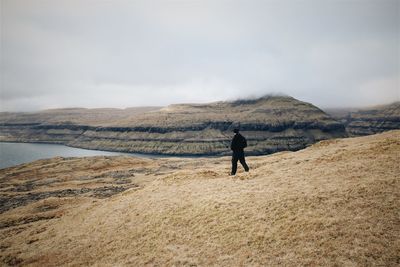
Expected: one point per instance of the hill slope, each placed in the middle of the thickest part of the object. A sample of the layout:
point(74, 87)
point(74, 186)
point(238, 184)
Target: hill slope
point(334, 203)
point(272, 123)
point(369, 120)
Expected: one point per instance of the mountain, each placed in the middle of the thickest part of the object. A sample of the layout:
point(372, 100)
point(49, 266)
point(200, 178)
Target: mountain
point(335, 203)
point(271, 124)
point(74, 116)
point(371, 120)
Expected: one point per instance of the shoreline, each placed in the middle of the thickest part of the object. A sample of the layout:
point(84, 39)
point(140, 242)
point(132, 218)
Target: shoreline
point(127, 152)
point(10, 160)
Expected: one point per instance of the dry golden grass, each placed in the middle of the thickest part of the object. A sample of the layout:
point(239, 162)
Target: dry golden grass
point(335, 203)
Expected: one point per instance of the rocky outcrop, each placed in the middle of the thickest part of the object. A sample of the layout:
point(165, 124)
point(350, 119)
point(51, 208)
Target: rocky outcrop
point(271, 123)
point(370, 120)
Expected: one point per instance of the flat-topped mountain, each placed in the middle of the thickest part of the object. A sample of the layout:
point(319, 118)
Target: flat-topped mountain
point(76, 116)
point(270, 123)
point(369, 120)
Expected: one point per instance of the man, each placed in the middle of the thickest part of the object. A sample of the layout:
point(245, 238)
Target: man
point(237, 145)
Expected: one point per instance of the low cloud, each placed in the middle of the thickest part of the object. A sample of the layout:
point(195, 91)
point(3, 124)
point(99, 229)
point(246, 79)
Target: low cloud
point(137, 53)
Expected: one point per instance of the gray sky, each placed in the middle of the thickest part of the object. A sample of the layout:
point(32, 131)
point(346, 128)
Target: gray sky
point(87, 53)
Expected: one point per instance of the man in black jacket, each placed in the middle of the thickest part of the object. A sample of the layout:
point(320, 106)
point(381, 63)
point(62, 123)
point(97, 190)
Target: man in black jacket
point(237, 145)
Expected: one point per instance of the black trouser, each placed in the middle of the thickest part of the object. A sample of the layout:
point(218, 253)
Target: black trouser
point(238, 156)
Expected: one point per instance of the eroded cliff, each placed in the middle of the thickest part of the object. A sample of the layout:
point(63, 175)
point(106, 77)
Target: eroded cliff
point(271, 124)
point(368, 121)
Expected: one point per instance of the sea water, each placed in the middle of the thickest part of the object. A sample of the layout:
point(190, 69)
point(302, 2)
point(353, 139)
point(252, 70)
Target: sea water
point(12, 154)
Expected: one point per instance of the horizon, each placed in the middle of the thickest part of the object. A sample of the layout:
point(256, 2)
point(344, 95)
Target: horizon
point(119, 54)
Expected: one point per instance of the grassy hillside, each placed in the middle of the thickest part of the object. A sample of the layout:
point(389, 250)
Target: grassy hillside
point(75, 116)
point(335, 203)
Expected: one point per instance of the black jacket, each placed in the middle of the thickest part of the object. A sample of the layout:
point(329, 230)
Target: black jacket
point(238, 142)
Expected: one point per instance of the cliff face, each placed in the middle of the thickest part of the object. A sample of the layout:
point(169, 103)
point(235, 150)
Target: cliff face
point(270, 124)
point(370, 120)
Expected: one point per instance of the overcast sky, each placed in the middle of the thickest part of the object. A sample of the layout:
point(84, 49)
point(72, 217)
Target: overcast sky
point(86, 53)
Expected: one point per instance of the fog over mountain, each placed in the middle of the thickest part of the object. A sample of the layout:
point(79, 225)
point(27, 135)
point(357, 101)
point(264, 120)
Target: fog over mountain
point(154, 53)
